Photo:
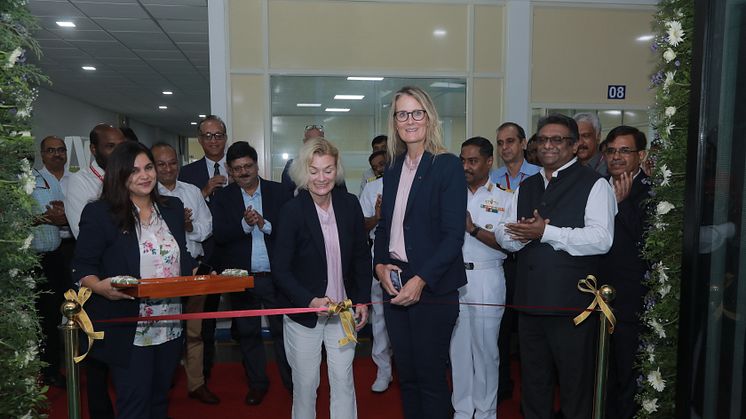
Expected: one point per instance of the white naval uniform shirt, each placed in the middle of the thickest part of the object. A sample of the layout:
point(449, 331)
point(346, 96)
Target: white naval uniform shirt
point(487, 209)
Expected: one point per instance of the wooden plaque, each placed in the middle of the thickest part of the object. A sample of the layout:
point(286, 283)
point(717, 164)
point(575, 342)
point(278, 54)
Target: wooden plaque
point(184, 286)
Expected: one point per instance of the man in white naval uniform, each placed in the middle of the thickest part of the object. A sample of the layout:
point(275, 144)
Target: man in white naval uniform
point(475, 358)
point(370, 201)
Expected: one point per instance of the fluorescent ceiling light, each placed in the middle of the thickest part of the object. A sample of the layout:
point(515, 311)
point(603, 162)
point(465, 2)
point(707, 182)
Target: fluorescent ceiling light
point(440, 33)
point(65, 24)
point(349, 97)
point(308, 105)
point(192, 123)
point(337, 109)
point(162, 107)
point(202, 115)
point(613, 112)
point(645, 38)
point(364, 78)
point(285, 156)
point(88, 68)
point(168, 92)
point(447, 85)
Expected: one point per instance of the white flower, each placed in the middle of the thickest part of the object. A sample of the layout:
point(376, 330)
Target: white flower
point(656, 380)
point(28, 182)
point(25, 166)
point(668, 82)
point(670, 111)
point(23, 113)
point(27, 415)
point(664, 208)
point(30, 282)
point(675, 33)
point(13, 57)
point(669, 55)
point(658, 328)
point(659, 225)
point(661, 270)
point(664, 290)
point(13, 272)
point(669, 128)
point(27, 242)
point(650, 350)
point(650, 406)
point(666, 173)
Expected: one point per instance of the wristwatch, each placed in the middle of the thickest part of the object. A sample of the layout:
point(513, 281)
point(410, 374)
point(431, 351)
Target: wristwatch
point(475, 231)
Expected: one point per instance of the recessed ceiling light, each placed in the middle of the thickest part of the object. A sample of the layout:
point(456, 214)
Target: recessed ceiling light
point(192, 123)
point(285, 156)
point(440, 33)
point(168, 92)
point(645, 38)
point(365, 78)
point(65, 24)
point(88, 68)
point(162, 107)
point(447, 85)
point(613, 112)
point(349, 97)
point(202, 115)
point(308, 105)
point(337, 109)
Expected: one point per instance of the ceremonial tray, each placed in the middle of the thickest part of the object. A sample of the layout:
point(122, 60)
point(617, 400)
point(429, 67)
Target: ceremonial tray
point(184, 286)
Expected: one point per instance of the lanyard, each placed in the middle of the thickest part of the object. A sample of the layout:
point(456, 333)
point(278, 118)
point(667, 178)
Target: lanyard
point(507, 180)
point(46, 184)
point(95, 172)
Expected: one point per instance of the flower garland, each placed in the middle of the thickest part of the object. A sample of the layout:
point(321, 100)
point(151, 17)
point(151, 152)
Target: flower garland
point(673, 26)
point(21, 395)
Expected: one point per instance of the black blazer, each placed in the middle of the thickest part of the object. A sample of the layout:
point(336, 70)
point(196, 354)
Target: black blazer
point(299, 262)
point(232, 245)
point(434, 221)
point(104, 250)
point(196, 173)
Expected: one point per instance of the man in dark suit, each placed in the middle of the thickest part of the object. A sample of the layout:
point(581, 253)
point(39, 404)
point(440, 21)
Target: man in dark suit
point(208, 174)
point(624, 267)
point(244, 219)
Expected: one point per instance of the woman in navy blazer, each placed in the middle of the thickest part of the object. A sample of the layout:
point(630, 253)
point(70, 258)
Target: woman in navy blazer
point(321, 256)
point(419, 236)
point(132, 230)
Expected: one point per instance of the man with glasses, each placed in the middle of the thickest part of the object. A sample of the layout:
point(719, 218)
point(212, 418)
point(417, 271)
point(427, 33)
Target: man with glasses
point(209, 172)
point(560, 222)
point(244, 219)
point(623, 267)
point(589, 127)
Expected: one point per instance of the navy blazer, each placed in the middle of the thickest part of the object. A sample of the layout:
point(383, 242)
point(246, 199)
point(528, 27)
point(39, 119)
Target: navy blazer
point(196, 173)
point(434, 221)
point(232, 245)
point(299, 263)
point(104, 250)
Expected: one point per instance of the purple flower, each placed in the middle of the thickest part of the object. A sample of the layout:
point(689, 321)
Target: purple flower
point(657, 78)
point(677, 63)
point(654, 46)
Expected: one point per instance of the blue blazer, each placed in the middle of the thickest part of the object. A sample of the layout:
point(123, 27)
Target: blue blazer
point(299, 262)
point(104, 250)
point(232, 245)
point(434, 221)
point(196, 173)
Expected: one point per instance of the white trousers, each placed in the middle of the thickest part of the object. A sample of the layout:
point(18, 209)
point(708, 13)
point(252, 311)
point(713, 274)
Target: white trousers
point(303, 349)
point(475, 359)
point(381, 349)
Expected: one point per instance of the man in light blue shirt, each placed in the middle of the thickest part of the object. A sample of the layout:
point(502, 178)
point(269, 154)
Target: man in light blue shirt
point(511, 143)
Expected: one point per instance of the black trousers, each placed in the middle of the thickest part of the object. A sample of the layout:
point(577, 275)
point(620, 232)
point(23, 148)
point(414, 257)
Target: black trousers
point(620, 391)
point(97, 387)
point(508, 326)
point(212, 302)
point(249, 331)
point(554, 350)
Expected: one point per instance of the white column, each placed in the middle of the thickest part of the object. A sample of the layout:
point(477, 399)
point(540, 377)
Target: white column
point(517, 92)
point(219, 43)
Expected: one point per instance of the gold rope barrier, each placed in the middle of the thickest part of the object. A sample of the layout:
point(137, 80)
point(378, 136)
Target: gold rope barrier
point(81, 318)
point(348, 321)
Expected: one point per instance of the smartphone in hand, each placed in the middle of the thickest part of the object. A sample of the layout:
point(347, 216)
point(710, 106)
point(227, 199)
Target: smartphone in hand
point(396, 280)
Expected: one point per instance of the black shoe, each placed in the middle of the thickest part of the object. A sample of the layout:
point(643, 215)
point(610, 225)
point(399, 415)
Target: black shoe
point(255, 397)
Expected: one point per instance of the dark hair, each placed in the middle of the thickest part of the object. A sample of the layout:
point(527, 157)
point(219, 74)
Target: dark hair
point(641, 142)
point(559, 119)
point(521, 131)
point(97, 131)
point(240, 149)
point(118, 170)
point(162, 144)
point(376, 154)
point(485, 146)
point(211, 118)
point(129, 134)
point(378, 140)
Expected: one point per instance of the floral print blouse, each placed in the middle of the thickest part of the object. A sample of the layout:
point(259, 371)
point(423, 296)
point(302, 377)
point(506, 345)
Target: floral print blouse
point(159, 258)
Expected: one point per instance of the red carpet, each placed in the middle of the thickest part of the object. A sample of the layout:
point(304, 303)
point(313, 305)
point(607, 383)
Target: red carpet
point(229, 384)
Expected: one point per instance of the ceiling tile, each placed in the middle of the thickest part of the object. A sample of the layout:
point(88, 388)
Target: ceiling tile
point(160, 55)
point(53, 43)
point(185, 26)
point(128, 25)
point(101, 9)
point(53, 8)
point(188, 37)
point(202, 3)
point(81, 23)
point(94, 35)
point(144, 40)
point(166, 13)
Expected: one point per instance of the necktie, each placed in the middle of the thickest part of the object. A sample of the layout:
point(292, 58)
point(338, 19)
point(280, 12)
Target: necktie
point(217, 170)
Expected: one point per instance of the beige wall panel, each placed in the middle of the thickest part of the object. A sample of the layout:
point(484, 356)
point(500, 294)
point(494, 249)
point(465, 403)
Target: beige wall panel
point(370, 36)
point(486, 107)
point(489, 30)
point(246, 41)
point(247, 113)
point(578, 52)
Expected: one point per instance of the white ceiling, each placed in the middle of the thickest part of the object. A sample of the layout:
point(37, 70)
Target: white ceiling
point(139, 48)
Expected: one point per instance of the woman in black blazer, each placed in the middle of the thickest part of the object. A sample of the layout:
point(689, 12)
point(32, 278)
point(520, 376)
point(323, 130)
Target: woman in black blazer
point(133, 231)
point(419, 238)
point(321, 256)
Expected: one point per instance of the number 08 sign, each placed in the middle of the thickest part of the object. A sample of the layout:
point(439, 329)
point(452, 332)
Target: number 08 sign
point(616, 91)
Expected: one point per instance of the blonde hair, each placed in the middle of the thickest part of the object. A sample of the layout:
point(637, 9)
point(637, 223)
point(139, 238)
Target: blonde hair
point(317, 146)
point(433, 132)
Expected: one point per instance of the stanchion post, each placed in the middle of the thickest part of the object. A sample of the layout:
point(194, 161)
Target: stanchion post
point(602, 356)
point(70, 329)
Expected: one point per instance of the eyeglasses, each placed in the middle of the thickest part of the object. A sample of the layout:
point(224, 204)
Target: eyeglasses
point(624, 151)
point(417, 115)
point(58, 150)
point(317, 127)
point(555, 140)
point(244, 168)
point(217, 136)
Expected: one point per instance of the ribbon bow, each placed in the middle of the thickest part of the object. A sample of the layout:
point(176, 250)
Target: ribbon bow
point(82, 319)
point(348, 322)
point(588, 285)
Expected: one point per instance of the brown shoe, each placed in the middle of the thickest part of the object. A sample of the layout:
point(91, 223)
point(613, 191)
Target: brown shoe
point(203, 394)
point(255, 397)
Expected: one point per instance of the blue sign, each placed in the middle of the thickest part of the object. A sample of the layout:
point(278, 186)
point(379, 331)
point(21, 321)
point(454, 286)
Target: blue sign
point(616, 91)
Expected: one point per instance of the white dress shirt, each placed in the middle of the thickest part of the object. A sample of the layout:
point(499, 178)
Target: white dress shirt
point(487, 209)
point(64, 230)
point(192, 198)
point(82, 187)
point(211, 167)
point(593, 239)
point(368, 198)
